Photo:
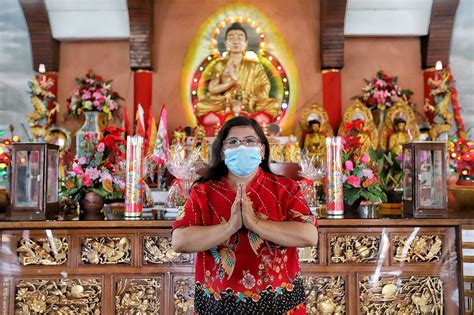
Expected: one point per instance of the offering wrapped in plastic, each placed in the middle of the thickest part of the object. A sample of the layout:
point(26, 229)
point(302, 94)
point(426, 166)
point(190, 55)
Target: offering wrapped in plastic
point(313, 177)
point(183, 168)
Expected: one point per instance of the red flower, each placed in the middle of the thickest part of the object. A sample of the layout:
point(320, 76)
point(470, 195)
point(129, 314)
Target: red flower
point(354, 181)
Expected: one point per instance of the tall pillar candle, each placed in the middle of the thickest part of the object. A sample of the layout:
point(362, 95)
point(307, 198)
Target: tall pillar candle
point(134, 178)
point(334, 188)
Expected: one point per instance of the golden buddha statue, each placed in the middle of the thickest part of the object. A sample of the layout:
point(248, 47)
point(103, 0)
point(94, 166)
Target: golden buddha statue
point(314, 142)
point(399, 137)
point(315, 122)
point(399, 127)
point(236, 83)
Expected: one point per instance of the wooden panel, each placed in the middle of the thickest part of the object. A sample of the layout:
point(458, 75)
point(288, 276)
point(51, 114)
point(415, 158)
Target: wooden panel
point(44, 47)
point(141, 33)
point(332, 33)
point(436, 45)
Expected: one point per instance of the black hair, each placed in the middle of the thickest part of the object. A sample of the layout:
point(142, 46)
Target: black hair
point(398, 120)
point(236, 27)
point(314, 121)
point(217, 169)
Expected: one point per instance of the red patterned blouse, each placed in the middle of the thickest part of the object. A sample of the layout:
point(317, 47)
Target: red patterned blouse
point(247, 275)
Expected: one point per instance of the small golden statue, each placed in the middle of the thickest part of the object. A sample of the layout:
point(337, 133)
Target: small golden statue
point(400, 124)
point(276, 151)
point(236, 83)
point(369, 134)
point(200, 141)
point(315, 122)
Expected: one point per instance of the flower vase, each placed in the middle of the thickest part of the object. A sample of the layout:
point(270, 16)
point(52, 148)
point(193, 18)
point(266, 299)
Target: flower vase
point(368, 210)
point(91, 205)
point(90, 127)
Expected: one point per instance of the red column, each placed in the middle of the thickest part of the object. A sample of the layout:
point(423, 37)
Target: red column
point(142, 87)
point(332, 99)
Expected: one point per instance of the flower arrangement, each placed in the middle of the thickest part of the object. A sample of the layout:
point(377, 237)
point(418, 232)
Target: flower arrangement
point(44, 106)
point(382, 91)
point(100, 170)
point(389, 168)
point(359, 170)
point(93, 93)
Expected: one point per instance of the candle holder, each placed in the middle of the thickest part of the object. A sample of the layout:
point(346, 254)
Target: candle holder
point(424, 179)
point(35, 183)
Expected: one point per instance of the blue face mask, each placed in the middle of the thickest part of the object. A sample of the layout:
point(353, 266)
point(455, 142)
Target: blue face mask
point(242, 160)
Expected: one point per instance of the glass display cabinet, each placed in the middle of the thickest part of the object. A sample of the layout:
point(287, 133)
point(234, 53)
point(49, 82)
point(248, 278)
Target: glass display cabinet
point(424, 179)
point(34, 183)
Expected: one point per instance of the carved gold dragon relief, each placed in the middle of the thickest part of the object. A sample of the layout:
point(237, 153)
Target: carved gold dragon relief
point(401, 295)
point(183, 288)
point(158, 250)
point(354, 248)
point(106, 250)
point(325, 295)
point(138, 296)
point(308, 255)
point(42, 251)
point(58, 296)
point(422, 248)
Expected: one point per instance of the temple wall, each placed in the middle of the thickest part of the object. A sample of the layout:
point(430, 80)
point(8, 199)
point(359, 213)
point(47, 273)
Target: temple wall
point(176, 24)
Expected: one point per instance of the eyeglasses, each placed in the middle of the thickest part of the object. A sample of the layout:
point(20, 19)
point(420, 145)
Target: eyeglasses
point(249, 142)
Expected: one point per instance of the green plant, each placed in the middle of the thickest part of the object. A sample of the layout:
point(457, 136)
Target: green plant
point(389, 170)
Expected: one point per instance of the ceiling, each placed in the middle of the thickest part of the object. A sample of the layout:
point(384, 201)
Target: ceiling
point(108, 19)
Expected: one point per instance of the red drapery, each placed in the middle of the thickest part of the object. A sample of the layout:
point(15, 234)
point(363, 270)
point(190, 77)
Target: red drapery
point(332, 99)
point(142, 87)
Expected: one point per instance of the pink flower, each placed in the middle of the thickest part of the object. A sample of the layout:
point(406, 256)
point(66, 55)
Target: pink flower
point(92, 172)
point(119, 182)
point(349, 165)
point(77, 169)
point(394, 99)
point(380, 83)
point(112, 105)
point(96, 103)
point(101, 147)
point(82, 160)
point(97, 95)
point(105, 175)
point(367, 173)
point(86, 96)
point(354, 181)
point(365, 158)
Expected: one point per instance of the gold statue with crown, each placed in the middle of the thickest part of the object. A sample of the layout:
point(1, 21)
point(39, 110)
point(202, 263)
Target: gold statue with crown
point(369, 135)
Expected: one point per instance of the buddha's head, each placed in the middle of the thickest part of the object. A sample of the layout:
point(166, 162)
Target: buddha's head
point(400, 124)
point(236, 38)
point(314, 125)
